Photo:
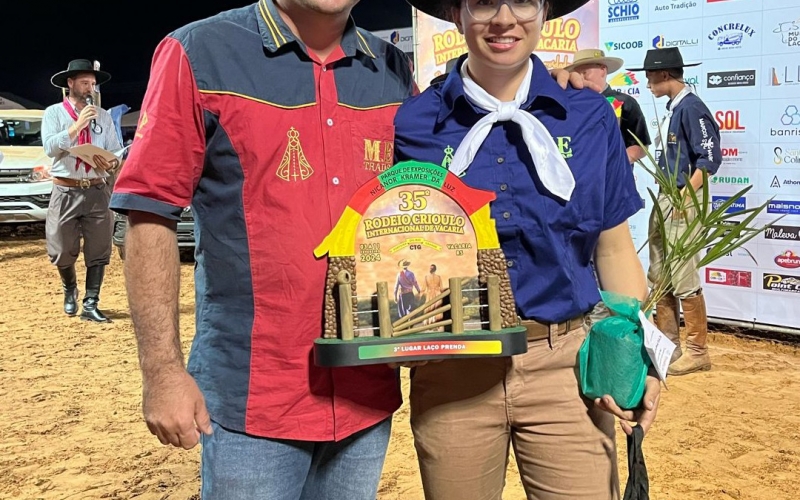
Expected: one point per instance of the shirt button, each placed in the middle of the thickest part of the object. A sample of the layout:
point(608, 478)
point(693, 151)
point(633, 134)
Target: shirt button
point(329, 122)
point(503, 187)
point(500, 159)
point(335, 181)
point(506, 215)
point(510, 263)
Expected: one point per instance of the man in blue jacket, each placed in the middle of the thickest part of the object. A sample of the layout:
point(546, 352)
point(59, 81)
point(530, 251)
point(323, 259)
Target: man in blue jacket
point(688, 140)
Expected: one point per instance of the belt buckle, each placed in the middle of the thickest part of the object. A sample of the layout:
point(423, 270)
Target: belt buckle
point(85, 183)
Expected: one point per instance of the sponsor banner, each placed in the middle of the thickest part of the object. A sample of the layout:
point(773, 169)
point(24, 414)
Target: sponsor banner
point(731, 36)
point(738, 121)
point(780, 282)
point(736, 80)
point(739, 156)
point(623, 12)
point(780, 121)
point(737, 206)
point(628, 82)
point(728, 79)
point(729, 277)
point(780, 182)
point(686, 35)
point(780, 155)
point(668, 10)
point(402, 38)
point(781, 233)
point(439, 41)
point(780, 77)
point(782, 31)
point(784, 206)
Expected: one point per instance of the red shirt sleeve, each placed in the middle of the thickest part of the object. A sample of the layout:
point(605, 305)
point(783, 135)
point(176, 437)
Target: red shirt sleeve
point(166, 158)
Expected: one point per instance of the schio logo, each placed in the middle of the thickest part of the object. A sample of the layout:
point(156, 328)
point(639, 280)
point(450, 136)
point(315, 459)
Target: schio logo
point(788, 259)
point(623, 10)
point(630, 45)
point(729, 121)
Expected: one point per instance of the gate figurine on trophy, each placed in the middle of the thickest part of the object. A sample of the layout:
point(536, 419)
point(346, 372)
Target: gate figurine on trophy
point(415, 272)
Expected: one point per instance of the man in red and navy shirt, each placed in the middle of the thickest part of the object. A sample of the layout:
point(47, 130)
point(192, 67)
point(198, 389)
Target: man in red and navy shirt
point(266, 119)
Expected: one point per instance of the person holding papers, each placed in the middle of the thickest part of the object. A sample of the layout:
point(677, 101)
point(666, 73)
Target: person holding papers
point(79, 137)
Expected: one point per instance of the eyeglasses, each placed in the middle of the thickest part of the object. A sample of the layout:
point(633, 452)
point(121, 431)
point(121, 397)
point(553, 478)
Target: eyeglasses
point(485, 10)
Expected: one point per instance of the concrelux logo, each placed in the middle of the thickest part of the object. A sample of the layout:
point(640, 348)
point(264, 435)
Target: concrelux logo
point(788, 259)
point(788, 233)
point(730, 35)
point(722, 79)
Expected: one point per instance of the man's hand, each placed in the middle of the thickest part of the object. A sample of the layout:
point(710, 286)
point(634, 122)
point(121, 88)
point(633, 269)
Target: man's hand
point(643, 416)
point(562, 77)
point(105, 165)
point(174, 408)
point(88, 113)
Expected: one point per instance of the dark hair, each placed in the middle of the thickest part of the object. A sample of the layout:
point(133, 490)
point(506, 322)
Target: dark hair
point(676, 73)
point(433, 266)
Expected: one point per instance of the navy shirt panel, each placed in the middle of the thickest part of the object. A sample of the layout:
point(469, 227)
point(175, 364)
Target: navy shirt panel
point(549, 243)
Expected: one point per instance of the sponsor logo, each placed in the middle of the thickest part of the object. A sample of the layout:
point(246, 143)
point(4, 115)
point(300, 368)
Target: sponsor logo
point(782, 156)
point(790, 33)
point(729, 121)
point(660, 42)
point(777, 183)
point(788, 207)
point(737, 206)
point(623, 10)
point(723, 79)
point(789, 118)
point(729, 277)
point(735, 181)
point(675, 5)
point(734, 156)
point(791, 233)
point(788, 259)
point(781, 283)
point(784, 75)
point(625, 83)
point(730, 35)
point(632, 44)
point(378, 155)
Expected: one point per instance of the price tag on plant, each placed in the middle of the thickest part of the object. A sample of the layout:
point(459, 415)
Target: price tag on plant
point(657, 345)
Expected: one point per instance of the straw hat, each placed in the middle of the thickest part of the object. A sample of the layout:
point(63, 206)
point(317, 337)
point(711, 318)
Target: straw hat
point(595, 56)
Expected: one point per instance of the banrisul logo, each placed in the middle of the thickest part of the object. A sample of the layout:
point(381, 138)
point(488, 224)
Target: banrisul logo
point(623, 10)
point(730, 35)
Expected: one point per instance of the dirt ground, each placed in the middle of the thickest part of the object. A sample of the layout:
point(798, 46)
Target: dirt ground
point(71, 423)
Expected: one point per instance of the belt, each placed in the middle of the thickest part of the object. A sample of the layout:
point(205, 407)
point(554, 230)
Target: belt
point(78, 183)
point(541, 331)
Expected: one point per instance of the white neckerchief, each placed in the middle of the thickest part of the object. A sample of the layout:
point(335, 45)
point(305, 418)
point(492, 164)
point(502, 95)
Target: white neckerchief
point(663, 129)
point(547, 160)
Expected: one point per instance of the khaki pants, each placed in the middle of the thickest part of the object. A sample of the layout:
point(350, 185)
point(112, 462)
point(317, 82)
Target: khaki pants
point(465, 414)
point(686, 281)
point(76, 212)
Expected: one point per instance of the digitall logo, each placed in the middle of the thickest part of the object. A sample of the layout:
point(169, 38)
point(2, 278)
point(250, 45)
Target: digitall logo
point(729, 121)
point(660, 42)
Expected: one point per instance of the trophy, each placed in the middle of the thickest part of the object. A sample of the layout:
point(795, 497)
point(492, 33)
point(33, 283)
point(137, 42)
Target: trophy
point(416, 272)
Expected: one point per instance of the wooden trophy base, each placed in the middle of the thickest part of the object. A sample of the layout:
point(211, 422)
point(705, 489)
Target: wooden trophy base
point(420, 347)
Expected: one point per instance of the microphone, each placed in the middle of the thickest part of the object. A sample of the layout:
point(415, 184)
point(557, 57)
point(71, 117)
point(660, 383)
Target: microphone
point(90, 102)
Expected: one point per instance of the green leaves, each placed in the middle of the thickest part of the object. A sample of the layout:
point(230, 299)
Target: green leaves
point(706, 228)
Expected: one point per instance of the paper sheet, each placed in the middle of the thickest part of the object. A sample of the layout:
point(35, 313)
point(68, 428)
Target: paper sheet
point(86, 153)
point(658, 346)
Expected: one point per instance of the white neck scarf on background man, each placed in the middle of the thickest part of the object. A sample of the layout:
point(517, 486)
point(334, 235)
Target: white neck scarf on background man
point(547, 160)
point(663, 129)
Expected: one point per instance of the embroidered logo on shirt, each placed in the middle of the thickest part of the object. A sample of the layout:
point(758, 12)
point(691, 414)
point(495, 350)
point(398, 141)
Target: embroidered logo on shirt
point(294, 165)
point(448, 157)
point(564, 146)
point(672, 138)
point(142, 123)
point(378, 155)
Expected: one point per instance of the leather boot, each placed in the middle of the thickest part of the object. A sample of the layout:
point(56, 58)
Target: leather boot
point(668, 321)
point(94, 280)
point(69, 281)
point(696, 356)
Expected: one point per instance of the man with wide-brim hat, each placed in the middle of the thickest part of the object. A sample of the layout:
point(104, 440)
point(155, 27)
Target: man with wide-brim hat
point(594, 66)
point(80, 198)
point(404, 287)
point(688, 141)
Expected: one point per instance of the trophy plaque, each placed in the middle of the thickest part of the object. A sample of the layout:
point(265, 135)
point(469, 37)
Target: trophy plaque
point(416, 272)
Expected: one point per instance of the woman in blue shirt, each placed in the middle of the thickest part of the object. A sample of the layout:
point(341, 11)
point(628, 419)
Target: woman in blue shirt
point(557, 162)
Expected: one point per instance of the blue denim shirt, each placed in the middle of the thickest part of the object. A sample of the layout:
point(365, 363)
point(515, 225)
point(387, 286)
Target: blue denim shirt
point(549, 243)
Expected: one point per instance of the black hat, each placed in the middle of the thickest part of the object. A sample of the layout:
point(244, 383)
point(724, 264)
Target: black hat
point(663, 59)
point(76, 67)
point(448, 67)
point(441, 8)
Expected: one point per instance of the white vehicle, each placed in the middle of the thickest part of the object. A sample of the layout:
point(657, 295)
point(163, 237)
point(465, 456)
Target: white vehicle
point(25, 182)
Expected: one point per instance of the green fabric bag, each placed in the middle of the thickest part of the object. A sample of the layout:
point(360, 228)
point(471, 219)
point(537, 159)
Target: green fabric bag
point(612, 359)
